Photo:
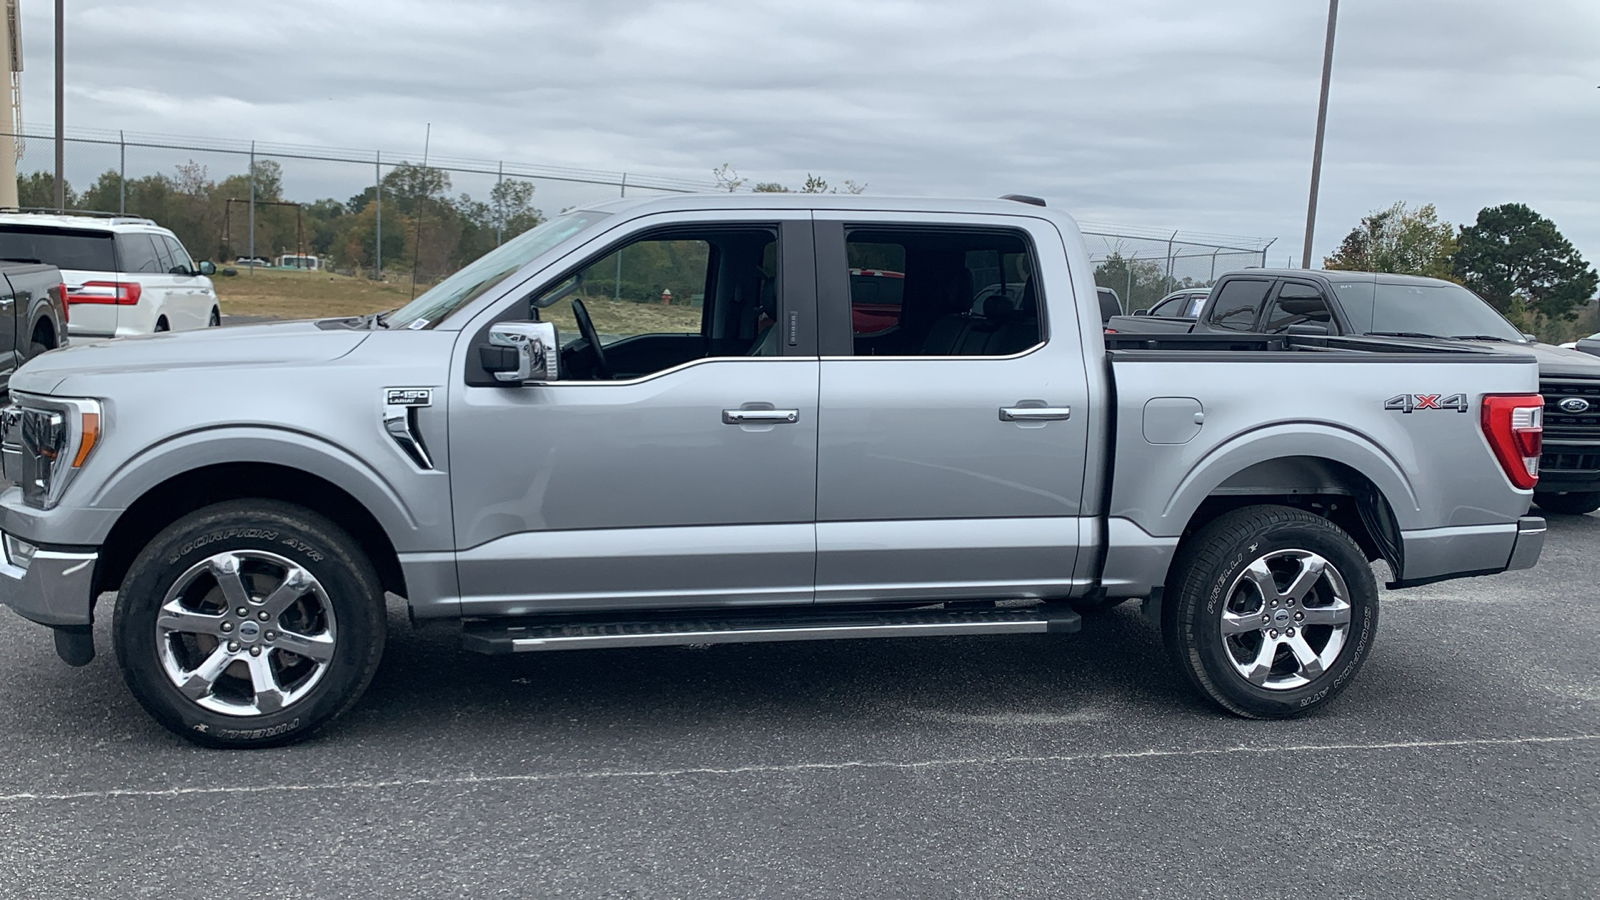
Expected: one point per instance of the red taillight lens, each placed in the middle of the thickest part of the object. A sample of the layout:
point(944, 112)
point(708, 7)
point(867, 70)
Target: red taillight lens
point(61, 297)
point(119, 293)
point(1514, 425)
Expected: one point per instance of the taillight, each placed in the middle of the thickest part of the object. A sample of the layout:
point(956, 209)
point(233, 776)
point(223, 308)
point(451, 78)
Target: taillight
point(1514, 425)
point(119, 293)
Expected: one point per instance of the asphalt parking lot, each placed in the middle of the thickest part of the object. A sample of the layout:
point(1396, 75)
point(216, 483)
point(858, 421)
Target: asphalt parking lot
point(1462, 763)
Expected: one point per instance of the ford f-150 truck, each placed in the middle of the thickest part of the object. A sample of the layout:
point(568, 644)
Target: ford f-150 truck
point(1275, 301)
point(654, 422)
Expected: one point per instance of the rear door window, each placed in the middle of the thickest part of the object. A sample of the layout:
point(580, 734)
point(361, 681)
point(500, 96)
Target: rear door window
point(59, 247)
point(138, 254)
point(1238, 303)
point(1297, 303)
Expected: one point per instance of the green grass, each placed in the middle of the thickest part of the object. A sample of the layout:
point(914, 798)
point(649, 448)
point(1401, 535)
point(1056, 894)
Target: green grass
point(282, 294)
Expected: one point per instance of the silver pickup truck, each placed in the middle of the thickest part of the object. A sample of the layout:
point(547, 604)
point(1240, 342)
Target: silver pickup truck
point(731, 418)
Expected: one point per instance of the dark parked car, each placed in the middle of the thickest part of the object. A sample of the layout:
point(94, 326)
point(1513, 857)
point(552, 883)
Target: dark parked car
point(1310, 301)
point(33, 317)
point(1185, 303)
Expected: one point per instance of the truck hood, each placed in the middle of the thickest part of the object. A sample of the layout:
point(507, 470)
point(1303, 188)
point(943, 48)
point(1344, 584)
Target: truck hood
point(281, 343)
point(1560, 362)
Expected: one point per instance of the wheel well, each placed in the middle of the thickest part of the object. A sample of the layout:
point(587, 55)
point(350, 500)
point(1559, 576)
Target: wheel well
point(44, 332)
point(1326, 488)
point(182, 494)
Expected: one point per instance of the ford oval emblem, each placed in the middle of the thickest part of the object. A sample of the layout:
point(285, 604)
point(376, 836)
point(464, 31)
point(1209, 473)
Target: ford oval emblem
point(1575, 405)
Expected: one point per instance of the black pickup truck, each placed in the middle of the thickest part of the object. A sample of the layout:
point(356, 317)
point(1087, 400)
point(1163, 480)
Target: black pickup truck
point(33, 314)
point(1312, 301)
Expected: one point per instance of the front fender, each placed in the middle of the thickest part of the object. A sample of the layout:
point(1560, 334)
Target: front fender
point(292, 449)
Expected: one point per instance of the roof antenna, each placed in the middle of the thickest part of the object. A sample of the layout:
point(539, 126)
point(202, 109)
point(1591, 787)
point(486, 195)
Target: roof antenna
point(1023, 198)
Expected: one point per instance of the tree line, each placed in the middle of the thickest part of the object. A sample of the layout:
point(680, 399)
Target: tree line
point(1510, 256)
point(425, 228)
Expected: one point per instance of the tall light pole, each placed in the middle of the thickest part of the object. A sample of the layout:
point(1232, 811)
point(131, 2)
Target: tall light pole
point(61, 109)
point(1322, 126)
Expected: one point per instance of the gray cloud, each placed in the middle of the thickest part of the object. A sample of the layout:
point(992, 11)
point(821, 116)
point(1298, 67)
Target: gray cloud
point(1154, 113)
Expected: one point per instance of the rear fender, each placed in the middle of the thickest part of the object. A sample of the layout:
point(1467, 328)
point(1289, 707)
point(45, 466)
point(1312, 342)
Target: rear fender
point(1297, 439)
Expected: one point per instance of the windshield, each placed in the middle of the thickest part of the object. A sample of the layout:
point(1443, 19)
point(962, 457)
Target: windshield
point(1435, 308)
point(489, 270)
point(1446, 310)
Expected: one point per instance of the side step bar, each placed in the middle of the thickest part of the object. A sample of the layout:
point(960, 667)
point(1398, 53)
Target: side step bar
point(646, 630)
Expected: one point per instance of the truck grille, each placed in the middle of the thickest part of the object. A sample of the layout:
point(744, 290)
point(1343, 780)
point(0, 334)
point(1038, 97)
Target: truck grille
point(1565, 432)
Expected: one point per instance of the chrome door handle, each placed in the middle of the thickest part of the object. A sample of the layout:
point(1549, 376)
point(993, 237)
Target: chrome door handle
point(5, 302)
point(1035, 413)
point(760, 416)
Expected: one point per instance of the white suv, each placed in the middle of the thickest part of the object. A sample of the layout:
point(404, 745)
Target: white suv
point(124, 275)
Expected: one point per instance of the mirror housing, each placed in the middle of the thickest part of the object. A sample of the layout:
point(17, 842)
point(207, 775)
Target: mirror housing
point(521, 353)
point(207, 267)
point(1308, 328)
point(1141, 312)
point(1530, 338)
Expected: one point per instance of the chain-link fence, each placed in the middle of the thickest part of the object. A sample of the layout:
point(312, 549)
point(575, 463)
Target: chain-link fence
point(1144, 266)
point(297, 206)
point(282, 205)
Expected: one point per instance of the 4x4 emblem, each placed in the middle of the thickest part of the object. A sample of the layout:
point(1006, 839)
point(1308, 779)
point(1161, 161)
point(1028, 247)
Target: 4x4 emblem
point(1574, 405)
point(1407, 403)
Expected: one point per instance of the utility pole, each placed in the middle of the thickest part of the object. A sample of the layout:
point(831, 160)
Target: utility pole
point(61, 107)
point(1322, 126)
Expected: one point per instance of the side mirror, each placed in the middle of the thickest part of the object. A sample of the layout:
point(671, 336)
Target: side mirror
point(1530, 338)
point(1141, 312)
point(1308, 328)
point(207, 267)
point(521, 353)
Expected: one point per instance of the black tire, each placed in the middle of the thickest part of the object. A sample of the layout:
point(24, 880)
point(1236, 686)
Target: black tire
point(1209, 579)
point(215, 320)
point(161, 325)
point(36, 348)
point(1571, 503)
point(297, 535)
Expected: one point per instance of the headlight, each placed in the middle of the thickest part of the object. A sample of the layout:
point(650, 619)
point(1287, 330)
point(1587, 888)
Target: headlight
point(43, 443)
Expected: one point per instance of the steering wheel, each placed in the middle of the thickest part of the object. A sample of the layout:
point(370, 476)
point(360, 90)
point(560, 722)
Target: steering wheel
point(592, 338)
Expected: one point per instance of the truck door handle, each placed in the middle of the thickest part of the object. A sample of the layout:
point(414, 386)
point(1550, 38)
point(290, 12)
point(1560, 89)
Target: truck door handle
point(760, 416)
point(1035, 413)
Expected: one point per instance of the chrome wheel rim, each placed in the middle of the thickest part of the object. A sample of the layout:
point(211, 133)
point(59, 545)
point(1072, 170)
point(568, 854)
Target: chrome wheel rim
point(1286, 619)
point(246, 633)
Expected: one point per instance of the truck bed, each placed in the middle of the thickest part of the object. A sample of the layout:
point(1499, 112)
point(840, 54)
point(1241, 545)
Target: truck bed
point(1202, 416)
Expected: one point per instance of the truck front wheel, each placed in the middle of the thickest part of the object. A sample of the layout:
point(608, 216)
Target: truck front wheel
point(249, 624)
point(1271, 611)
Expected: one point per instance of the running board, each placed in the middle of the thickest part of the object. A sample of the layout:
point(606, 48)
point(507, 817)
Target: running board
point(744, 627)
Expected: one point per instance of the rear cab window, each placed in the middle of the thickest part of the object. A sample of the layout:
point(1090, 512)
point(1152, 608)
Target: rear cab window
point(1297, 303)
point(64, 248)
point(1238, 304)
point(941, 291)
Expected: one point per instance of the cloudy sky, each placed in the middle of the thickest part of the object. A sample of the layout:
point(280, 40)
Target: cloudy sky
point(1152, 113)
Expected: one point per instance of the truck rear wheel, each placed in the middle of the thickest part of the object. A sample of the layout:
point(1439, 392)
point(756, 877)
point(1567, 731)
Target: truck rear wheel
point(1270, 611)
point(249, 623)
point(1571, 503)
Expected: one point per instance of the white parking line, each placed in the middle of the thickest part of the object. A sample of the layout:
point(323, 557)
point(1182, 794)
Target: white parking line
point(885, 765)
